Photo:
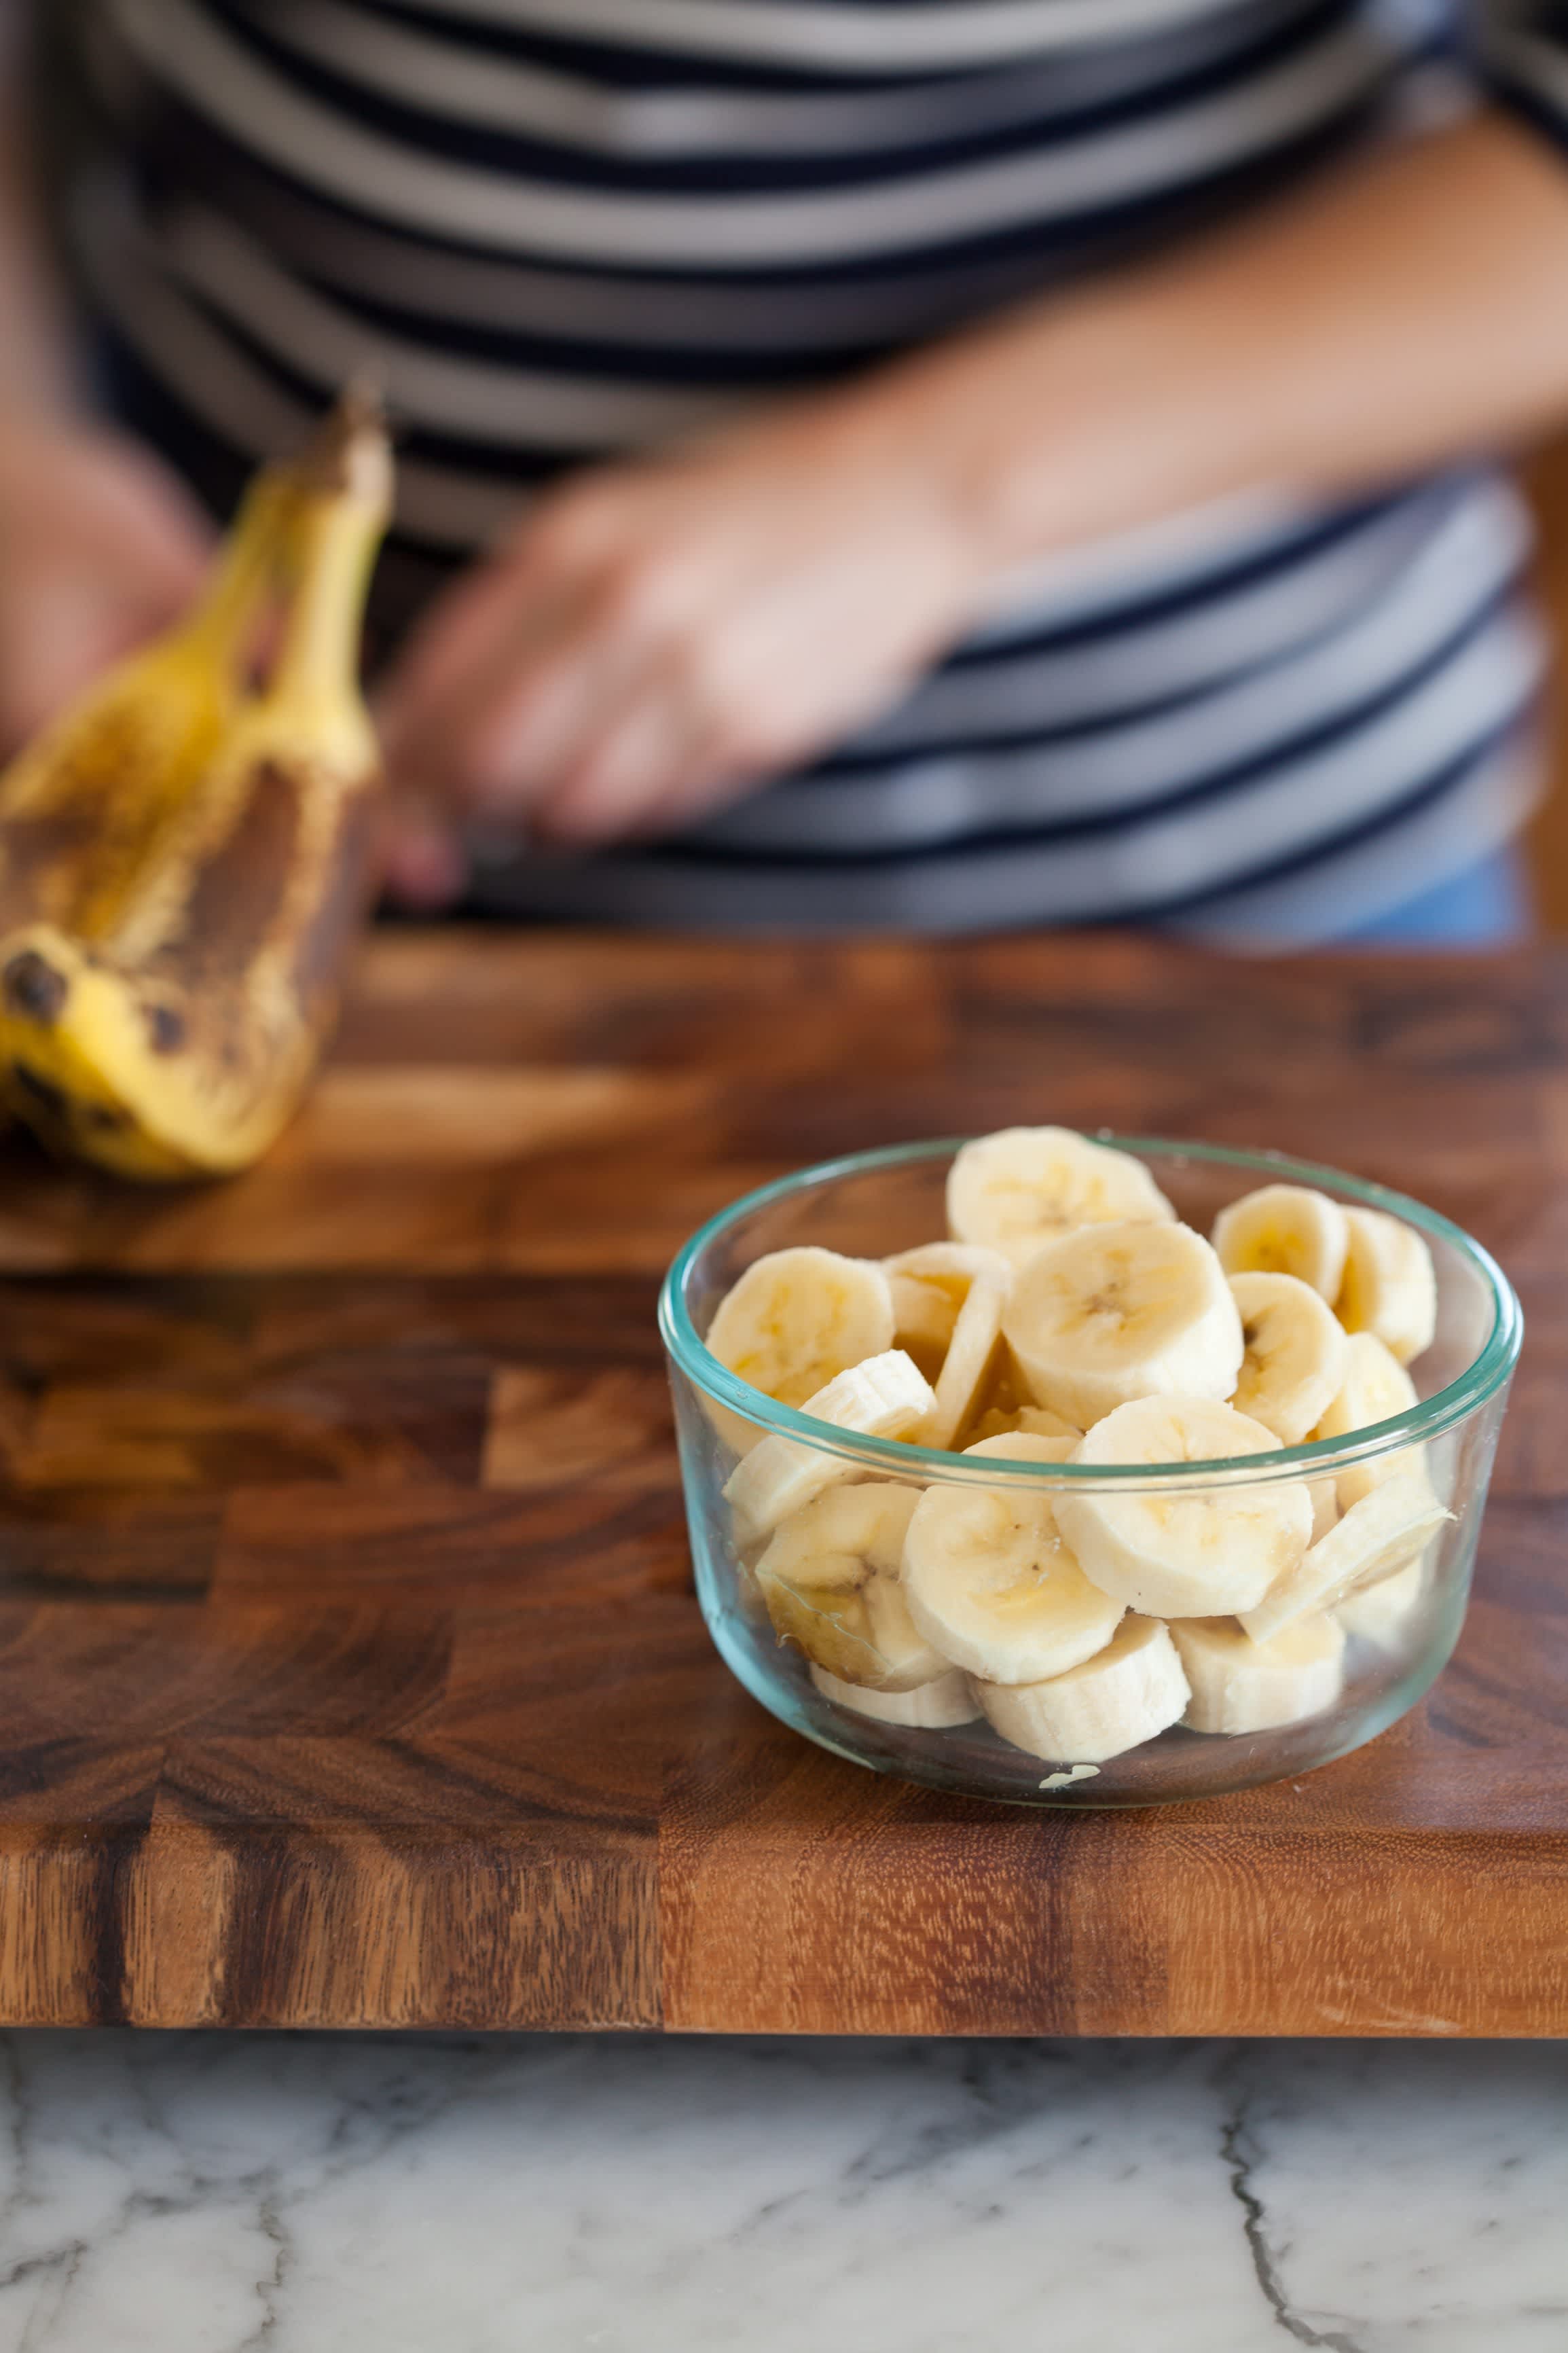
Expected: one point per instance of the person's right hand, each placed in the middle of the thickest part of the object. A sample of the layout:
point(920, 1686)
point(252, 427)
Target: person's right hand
point(101, 547)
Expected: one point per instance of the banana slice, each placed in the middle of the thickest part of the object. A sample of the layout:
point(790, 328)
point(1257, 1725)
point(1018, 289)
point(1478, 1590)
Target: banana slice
point(1033, 1420)
point(1295, 1361)
point(1389, 1285)
point(1381, 1613)
point(1004, 1405)
point(1122, 1696)
point(929, 1287)
point(886, 1396)
point(972, 1354)
point(1024, 1445)
point(829, 1579)
point(1285, 1230)
point(990, 1582)
point(846, 1536)
point(1325, 1507)
point(795, 1319)
point(866, 1637)
point(1119, 1312)
point(1375, 1387)
point(1024, 1186)
point(936, 1706)
point(1242, 1685)
point(1387, 1529)
point(1181, 1555)
point(999, 1403)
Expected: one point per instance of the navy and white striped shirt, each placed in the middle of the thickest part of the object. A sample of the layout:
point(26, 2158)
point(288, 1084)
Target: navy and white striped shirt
point(558, 230)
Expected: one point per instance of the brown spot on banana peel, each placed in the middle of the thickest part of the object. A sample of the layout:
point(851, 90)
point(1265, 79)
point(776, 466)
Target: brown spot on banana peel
point(61, 1123)
point(41, 1095)
point(235, 894)
point(265, 920)
point(343, 904)
point(166, 1029)
point(42, 857)
point(33, 988)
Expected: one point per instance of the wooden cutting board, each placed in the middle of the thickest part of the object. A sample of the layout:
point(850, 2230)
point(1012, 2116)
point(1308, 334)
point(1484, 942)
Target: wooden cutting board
point(349, 1671)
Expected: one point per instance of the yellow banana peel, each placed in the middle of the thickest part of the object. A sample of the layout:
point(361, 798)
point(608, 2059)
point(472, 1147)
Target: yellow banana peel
point(185, 858)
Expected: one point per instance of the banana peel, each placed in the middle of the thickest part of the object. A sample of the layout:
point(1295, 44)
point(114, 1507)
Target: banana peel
point(82, 809)
point(185, 860)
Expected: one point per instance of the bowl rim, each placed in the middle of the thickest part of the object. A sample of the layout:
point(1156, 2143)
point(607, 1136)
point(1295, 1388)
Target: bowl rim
point(1313, 1457)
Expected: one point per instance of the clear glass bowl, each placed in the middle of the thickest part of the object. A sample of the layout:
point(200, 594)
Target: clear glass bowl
point(877, 1203)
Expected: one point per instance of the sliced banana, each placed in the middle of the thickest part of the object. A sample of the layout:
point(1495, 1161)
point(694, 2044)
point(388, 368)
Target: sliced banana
point(1127, 1692)
point(829, 1578)
point(1285, 1230)
point(1389, 1285)
point(1325, 1507)
point(929, 1287)
point(865, 1636)
point(971, 1355)
point(1035, 1421)
point(886, 1396)
point(1295, 1360)
point(795, 1319)
point(847, 1534)
point(1388, 1528)
point(1185, 1555)
point(1000, 1400)
point(1242, 1685)
point(1024, 1186)
point(910, 1659)
point(990, 1582)
point(1374, 1389)
point(1118, 1312)
point(1027, 1445)
point(935, 1706)
point(1381, 1613)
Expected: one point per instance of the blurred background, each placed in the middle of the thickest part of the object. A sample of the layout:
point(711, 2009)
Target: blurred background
point(939, 488)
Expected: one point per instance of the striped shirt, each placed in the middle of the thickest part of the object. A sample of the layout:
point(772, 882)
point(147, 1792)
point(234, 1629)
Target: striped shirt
point(561, 230)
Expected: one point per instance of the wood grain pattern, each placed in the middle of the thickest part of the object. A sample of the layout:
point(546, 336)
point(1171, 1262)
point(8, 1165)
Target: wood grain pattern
point(1545, 483)
point(349, 1669)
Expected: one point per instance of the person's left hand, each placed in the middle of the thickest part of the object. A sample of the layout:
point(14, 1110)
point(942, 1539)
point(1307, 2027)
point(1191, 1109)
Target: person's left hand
point(653, 639)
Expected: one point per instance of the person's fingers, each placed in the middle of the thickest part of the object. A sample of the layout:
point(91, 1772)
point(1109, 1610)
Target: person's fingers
point(66, 644)
point(622, 775)
point(169, 574)
point(67, 633)
point(100, 549)
point(537, 715)
point(125, 495)
point(514, 698)
point(448, 650)
point(135, 548)
point(504, 606)
point(713, 777)
point(660, 759)
point(596, 695)
point(422, 863)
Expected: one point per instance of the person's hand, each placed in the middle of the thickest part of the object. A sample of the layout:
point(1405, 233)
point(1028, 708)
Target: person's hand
point(653, 639)
point(99, 548)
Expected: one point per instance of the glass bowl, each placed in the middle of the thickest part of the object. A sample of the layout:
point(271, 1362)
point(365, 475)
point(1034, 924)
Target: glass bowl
point(876, 1203)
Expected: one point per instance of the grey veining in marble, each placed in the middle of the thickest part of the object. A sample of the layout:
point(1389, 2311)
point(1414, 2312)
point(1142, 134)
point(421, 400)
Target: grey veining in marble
point(220, 2194)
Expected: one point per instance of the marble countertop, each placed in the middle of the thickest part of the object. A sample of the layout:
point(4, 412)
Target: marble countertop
point(221, 2193)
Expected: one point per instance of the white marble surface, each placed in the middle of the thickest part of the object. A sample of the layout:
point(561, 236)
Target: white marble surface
point(206, 2194)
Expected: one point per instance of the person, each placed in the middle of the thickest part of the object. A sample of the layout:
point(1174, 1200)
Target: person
point(865, 462)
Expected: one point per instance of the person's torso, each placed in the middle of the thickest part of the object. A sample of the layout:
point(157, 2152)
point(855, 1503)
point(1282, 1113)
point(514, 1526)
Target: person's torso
point(561, 230)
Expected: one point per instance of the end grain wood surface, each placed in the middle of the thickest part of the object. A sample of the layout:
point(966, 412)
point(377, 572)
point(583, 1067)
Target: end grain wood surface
point(349, 1670)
